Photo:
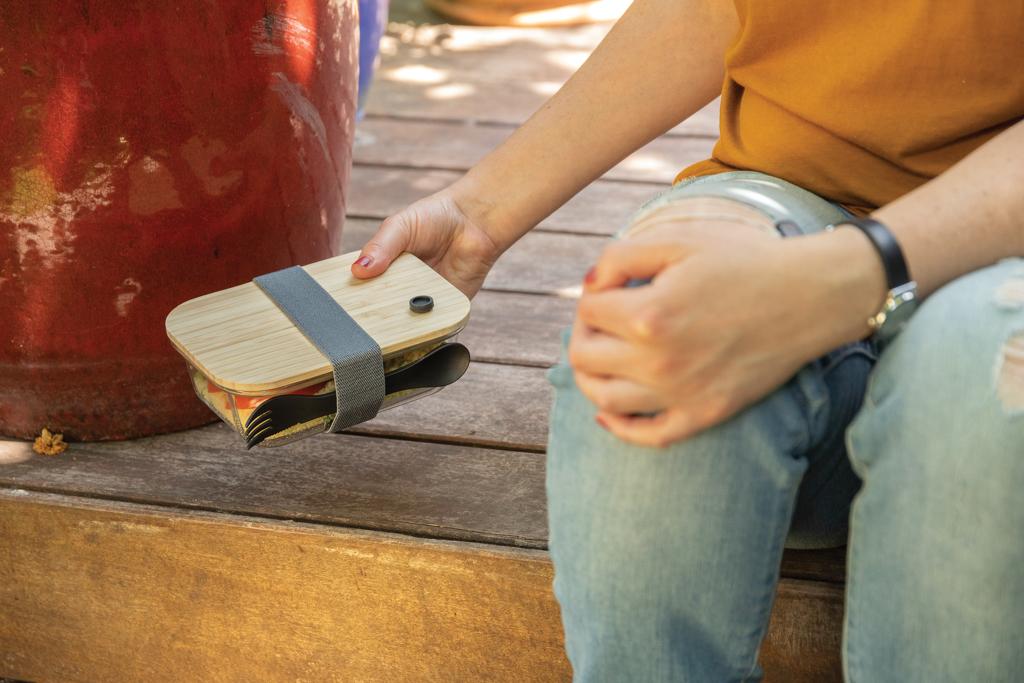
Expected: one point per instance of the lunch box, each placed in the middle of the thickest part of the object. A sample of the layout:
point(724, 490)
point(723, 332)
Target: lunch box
point(315, 330)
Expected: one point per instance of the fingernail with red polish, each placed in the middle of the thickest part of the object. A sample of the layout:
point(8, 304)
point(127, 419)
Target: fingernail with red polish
point(590, 276)
point(600, 420)
point(365, 261)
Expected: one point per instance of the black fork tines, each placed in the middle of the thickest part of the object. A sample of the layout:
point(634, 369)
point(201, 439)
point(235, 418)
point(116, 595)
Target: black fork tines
point(258, 437)
point(258, 426)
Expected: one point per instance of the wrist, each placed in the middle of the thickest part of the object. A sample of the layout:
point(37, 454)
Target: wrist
point(481, 203)
point(851, 279)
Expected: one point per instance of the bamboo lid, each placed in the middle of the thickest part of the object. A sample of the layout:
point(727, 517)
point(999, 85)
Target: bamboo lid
point(242, 341)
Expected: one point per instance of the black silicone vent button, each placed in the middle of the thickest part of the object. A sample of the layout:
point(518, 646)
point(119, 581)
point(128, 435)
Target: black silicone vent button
point(421, 303)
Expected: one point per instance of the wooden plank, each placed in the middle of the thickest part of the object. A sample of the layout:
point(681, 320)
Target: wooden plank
point(458, 146)
point(423, 489)
point(492, 405)
point(498, 75)
point(815, 565)
point(600, 209)
point(539, 263)
point(225, 598)
point(112, 592)
point(545, 263)
point(805, 634)
point(517, 328)
point(357, 231)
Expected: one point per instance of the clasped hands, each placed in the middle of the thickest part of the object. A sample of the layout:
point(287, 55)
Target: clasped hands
point(731, 312)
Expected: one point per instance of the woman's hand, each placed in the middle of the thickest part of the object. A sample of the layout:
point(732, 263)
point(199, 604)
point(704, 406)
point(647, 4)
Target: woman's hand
point(732, 312)
point(440, 232)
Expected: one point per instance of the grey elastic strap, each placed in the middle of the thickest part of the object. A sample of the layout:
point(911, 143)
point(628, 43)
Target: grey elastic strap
point(355, 356)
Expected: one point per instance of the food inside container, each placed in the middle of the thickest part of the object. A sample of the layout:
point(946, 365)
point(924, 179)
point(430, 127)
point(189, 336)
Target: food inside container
point(241, 349)
point(235, 409)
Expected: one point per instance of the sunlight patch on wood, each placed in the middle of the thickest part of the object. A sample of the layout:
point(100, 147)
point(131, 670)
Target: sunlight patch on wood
point(567, 59)
point(416, 73)
point(545, 88)
point(450, 91)
point(573, 292)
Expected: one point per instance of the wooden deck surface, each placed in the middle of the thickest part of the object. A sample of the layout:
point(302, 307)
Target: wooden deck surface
point(412, 548)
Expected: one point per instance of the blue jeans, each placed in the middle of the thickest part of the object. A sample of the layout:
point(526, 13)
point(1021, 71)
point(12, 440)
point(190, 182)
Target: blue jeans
point(666, 560)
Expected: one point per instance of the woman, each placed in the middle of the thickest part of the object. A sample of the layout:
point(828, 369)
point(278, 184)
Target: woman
point(746, 393)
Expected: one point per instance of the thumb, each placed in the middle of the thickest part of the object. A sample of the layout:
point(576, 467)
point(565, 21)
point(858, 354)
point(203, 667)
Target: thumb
point(629, 263)
point(392, 238)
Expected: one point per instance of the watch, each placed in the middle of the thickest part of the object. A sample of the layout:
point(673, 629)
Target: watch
point(901, 300)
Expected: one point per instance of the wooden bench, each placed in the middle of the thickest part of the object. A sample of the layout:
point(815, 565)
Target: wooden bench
point(413, 549)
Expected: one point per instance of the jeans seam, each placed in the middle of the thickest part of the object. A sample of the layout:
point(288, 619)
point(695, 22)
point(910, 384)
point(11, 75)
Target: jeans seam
point(848, 659)
point(770, 586)
point(868, 403)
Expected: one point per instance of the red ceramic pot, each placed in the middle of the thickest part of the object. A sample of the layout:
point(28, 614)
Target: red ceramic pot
point(151, 151)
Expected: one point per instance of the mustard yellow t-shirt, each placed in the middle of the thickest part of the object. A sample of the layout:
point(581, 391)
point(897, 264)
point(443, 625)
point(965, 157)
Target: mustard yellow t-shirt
point(861, 102)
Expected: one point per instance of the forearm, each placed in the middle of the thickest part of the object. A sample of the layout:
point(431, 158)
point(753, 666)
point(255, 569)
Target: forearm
point(660, 63)
point(969, 217)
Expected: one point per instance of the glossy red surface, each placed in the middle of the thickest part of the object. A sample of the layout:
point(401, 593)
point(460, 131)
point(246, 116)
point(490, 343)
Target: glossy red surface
point(151, 152)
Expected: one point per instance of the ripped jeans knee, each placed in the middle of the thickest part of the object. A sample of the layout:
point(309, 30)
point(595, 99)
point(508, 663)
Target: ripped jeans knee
point(1010, 371)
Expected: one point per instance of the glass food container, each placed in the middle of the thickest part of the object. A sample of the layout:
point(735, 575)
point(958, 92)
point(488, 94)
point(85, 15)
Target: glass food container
point(241, 349)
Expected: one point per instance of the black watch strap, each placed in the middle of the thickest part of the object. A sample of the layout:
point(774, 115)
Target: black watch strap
point(895, 265)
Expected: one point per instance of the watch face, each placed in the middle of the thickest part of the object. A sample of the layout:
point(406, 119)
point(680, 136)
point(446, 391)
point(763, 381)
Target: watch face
point(898, 317)
point(900, 305)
